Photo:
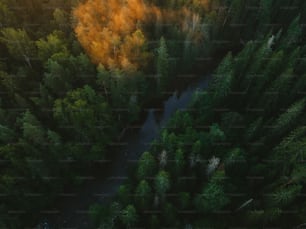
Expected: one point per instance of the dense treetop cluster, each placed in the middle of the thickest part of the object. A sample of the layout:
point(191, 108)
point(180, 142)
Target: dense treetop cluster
point(74, 73)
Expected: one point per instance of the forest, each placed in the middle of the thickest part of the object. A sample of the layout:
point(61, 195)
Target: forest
point(76, 75)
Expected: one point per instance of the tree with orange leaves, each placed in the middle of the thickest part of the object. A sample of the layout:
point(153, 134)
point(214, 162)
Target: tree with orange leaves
point(108, 32)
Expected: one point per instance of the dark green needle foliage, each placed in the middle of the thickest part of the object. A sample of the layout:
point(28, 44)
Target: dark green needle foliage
point(234, 159)
point(247, 167)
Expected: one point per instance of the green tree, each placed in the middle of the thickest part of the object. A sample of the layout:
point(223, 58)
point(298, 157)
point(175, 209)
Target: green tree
point(6, 15)
point(289, 118)
point(235, 163)
point(180, 121)
point(222, 80)
point(169, 214)
point(19, 44)
point(162, 183)
point(143, 194)
point(285, 196)
point(64, 72)
point(32, 129)
point(154, 221)
point(105, 216)
point(124, 194)
point(179, 161)
point(212, 197)
point(146, 166)
point(103, 79)
point(293, 34)
point(162, 64)
point(85, 111)
point(129, 216)
point(184, 200)
point(133, 108)
point(265, 15)
point(289, 151)
point(94, 213)
point(236, 10)
point(61, 18)
point(215, 133)
point(51, 46)
point(6, 134)
point(254, 129)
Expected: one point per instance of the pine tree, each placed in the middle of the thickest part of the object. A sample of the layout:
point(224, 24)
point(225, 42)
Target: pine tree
point(162, 67)
point(143, 194)
point(162, 183)
point(222, 78)
point(284, 197)
point(146, 166)
point(129, 216)
point(293, 34)
point(179, 161)
point(19, 44)
point(289, 118)
point(265, 15)
point(212, 198)
point(32, 129)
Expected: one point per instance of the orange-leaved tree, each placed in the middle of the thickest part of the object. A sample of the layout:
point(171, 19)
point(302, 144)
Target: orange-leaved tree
point(109, 32)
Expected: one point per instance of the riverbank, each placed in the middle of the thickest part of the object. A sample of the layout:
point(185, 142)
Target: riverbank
point(108, 174)
point(72, 210)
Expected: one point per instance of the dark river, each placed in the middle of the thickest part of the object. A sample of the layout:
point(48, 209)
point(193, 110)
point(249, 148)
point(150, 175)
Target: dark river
point(72, 212)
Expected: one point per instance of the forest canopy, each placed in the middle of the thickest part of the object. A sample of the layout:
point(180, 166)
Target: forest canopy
point(115, 33)
point(79, 77)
